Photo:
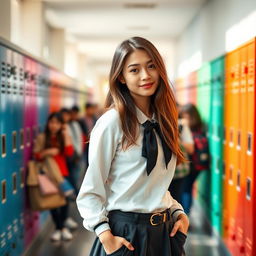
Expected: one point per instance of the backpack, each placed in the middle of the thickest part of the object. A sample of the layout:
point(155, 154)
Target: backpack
point(201, 157)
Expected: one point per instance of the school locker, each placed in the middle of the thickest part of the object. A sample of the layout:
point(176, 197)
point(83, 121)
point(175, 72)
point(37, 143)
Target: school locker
point(226, 151)
point(30, 218)
point(203, 104)
point(250, 204)
point(241, 148)
point(215, 142)
point(3, 209)
point(233, 72)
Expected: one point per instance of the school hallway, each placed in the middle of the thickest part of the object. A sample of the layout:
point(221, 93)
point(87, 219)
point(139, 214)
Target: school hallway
point(200, 240)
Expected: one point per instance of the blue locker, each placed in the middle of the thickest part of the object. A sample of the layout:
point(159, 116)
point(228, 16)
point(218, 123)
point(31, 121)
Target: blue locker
point(4, 137)
point(11, 145)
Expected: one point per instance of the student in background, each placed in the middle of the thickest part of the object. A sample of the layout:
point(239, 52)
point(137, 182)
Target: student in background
point(199, 159)
point(176, 187)
point(55, 142)
point(88, 122)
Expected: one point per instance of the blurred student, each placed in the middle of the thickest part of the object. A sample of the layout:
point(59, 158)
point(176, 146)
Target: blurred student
point(176, 187)
point(55, 142)
point(199, 159)
point(87, 124)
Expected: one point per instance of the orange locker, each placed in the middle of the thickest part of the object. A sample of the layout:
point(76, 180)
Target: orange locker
point(226, 155)
point(234, 73)
point(250, 203)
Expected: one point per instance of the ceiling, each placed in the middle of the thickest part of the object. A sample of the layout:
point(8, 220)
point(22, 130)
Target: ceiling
point(99, 25)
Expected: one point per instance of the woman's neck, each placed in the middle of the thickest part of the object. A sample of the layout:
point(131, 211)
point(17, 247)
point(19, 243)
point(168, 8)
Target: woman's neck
point(144, 106)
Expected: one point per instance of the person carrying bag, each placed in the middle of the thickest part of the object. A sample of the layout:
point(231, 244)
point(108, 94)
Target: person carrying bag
point(51, 149)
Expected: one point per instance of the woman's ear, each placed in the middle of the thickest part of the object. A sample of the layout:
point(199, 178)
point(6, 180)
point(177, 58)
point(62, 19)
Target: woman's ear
point(121, 79)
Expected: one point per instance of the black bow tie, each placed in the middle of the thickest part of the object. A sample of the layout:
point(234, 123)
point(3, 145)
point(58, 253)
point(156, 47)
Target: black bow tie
point(149, 147)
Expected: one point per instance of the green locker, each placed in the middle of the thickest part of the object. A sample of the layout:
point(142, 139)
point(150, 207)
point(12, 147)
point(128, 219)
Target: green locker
point(215, 141)
point(203, 104)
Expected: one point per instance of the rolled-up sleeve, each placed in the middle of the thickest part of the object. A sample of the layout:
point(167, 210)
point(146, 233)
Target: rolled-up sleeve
point(91, 200)
point(176, 209)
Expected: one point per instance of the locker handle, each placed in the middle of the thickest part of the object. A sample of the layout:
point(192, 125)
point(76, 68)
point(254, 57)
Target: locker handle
point(3, 191)
point(14, 183)
point(248, 189)
point(3, 145)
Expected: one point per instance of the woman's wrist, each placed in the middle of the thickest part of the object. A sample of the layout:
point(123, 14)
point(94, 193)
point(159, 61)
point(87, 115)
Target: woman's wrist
point(105, 236)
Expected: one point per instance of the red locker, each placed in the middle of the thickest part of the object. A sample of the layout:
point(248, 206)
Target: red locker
point(241, 177)
point(250, 203)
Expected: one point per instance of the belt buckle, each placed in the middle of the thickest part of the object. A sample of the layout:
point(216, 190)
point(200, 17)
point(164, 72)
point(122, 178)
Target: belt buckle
point(157, 214)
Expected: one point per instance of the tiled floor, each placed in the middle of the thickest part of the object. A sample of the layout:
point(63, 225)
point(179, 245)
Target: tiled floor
point(200, 242)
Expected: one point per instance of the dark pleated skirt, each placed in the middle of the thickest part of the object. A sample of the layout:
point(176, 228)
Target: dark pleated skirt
point(147, 240)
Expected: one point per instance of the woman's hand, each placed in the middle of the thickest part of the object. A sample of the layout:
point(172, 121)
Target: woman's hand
point(113, 243)
point(181, 224)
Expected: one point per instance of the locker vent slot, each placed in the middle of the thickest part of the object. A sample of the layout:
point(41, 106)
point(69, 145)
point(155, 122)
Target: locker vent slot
point(3, 191)
point(14, 183)
point(21, 139)
point(248, 189)
point(22, 178)
point(14, 142)
point(3, 145)
point(238, 185)
point(28, 138)
point(249, 141)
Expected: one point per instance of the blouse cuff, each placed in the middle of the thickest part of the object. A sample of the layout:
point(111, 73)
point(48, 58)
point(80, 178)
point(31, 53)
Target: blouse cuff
point(101, 228)
point(176, 213)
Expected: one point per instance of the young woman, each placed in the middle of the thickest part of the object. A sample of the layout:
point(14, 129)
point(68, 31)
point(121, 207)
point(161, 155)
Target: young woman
point(133, 152)
point(56, 143)
point(199, 159)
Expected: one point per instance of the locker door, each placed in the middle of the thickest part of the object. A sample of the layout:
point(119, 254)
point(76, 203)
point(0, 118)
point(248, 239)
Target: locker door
point(233, 150)
point(204, 96)
point(217, 71)
point(241, 178)
point(18, 199)
point(3, 196)
point(250, 207)
point(226, 151)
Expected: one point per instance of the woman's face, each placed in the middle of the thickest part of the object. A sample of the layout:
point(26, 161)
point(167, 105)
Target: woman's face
point(54, 125)
point(187, 117)
point(140, 75)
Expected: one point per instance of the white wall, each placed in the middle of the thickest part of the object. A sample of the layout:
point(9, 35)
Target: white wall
point(207, 32)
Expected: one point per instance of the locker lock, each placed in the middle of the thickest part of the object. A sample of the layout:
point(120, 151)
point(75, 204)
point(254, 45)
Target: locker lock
point(246, 70)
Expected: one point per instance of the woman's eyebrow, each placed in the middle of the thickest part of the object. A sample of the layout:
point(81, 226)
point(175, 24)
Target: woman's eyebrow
point(132, 65)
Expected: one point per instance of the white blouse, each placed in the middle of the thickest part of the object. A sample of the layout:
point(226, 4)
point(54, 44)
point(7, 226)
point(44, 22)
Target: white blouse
point(118, 180)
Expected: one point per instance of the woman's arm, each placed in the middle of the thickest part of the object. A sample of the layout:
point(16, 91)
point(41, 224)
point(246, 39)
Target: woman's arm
point(91, 200)
point(39, 151)
point(180, 218)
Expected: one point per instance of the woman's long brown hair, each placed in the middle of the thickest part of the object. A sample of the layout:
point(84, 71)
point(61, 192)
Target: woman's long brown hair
point(163, 102)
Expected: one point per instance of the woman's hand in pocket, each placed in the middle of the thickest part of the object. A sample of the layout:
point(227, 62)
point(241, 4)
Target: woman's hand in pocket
point(113, 243)
point(181, 224)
